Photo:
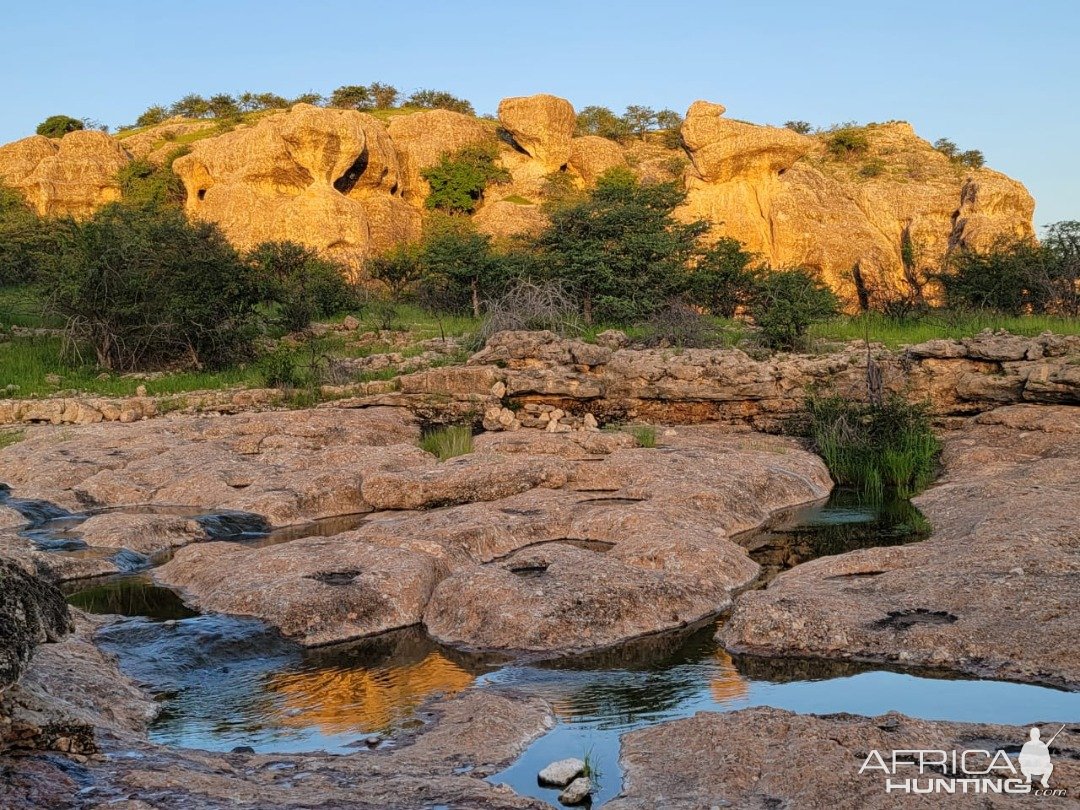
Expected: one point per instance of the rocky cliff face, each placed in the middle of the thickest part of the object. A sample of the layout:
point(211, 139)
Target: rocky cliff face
point(343, 182)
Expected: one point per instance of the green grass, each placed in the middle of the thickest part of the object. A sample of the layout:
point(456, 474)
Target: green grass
point(10, 437)
point(644, 435)
point(896, 332)
point(22, 306)
point(447, 442)
point(875, 448)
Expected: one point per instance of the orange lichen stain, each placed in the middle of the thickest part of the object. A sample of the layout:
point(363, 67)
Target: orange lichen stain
point(340, 700)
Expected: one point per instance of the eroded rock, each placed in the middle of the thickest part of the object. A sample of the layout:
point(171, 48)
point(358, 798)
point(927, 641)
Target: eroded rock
point(542, 125)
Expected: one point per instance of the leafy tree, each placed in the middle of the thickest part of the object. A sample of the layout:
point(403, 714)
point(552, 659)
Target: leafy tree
point(459, 266)
point(1062, 242)
point(152, 116)
point(440, 100)
point(302, 284)
point(639, 119)
point(459, 179)
point(23, 238)
point(248, 101)
point(191, 106)
point(145, 288)
point(802, 127)
point(619, 249)
point(385, 95)
point(310, 97)
point(271, 101)
point(668, 119)
point(972, 158)
point(594, 120)
point(352, 97)
point(784, 304)
point(57, 126)
point(223, 105)
point(947, 148)
point(399, 269)
point(721, 280)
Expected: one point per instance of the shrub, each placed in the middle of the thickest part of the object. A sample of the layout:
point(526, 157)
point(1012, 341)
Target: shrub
point(460, 268)
point(619, 249)
point(191, 106)
point(532, 305)
point(303, 285)
point(972, 158)
point(280, 369)
point(148, 185)
point(721, 280)
point(57, 126)
point(152, 116)
point(595, 120)
point(875, 447)
point(872, 168)
point(447, 442)
point(145, 287)
point(24, 238)
point(399, 270)
point(785, 303)
point(847, 142)
point(802, 127)
point(677, 324)
point(352, 97)
point(458, 180)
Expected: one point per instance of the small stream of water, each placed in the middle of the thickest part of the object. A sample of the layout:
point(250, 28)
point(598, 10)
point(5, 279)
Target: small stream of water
point(226, 681)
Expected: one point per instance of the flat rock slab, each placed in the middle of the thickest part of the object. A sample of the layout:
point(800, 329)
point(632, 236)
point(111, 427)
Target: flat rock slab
point(317, 590)
point(562, 598)
point(993, 591)
point(143, 534)
point(289, 466)
point(770, 758)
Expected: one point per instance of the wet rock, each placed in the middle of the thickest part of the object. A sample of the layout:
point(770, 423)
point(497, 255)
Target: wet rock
point(562, 772)
point(144, 534)
point(1001, 563)
point(317, 590)
point(577, 792)
point(771, 758)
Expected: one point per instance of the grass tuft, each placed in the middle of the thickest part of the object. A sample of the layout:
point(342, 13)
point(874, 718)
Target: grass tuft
point(644, 435)
point(447, 442)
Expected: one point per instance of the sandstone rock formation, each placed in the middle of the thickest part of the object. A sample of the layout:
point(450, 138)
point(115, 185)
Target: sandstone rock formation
point(542, 125)
point(1002, 561)
point(420, 139)
point(771, 758)
point(327, 178)
point(893, 211)
point(72, 176)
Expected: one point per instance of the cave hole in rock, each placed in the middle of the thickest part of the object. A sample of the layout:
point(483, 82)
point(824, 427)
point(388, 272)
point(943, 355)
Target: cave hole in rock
point(201, 193)
point(527, 570)
point(352, 175)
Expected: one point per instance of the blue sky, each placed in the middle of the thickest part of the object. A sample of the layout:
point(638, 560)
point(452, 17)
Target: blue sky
point(993, 75)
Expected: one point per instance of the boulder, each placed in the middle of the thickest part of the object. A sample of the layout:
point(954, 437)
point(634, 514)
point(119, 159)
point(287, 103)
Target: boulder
point(143, 534)
point(562, 772)
point(542, 125)
point(722, 149)
point(503, 219)
point(1002, 559)
point(577, 792)
point(421, 139)
point(591, 156)
point(72, 176)
point(317, 590)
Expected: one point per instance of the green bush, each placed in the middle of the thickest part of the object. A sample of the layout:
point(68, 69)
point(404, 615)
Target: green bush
point(300, 283)
point(439, 100)
point(784, 304)
point(644, 436)
point(280, 369)
point(595, 120)
point(721, 280)
point(57, 126)
point(459, 267)
point(872, 168)
point(619, 249)
point(447, 442)
point(146, 184)
point(152, 116)
point(847, 142)
point(802, 127)
point(875, 447)
point(24, 238)
point(458, 180)
point(145, 288)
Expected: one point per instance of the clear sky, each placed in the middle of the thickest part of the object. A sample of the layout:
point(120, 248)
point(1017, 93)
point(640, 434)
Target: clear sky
point(1002, 76)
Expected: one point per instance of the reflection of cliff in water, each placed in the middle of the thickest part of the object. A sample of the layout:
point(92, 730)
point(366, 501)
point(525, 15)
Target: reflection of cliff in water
point(367, 687)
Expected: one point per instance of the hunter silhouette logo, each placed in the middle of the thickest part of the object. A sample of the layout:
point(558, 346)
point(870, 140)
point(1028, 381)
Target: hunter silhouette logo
point(971, 771)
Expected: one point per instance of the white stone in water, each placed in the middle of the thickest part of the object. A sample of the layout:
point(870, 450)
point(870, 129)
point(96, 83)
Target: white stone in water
point(561, 773)
point(577, 792)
